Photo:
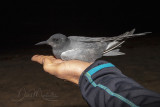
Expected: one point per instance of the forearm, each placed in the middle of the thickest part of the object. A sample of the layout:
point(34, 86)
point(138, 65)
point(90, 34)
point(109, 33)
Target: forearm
point(108, 87)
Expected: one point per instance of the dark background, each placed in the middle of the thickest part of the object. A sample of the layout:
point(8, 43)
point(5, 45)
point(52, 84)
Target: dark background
point(24, 23)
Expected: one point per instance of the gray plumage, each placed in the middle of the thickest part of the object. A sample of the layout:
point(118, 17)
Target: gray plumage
point(87, 48)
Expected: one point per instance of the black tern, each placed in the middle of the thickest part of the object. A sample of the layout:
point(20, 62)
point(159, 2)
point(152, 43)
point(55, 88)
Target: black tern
point(87, 48)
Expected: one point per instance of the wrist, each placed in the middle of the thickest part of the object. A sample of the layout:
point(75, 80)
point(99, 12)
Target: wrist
point(79, 70)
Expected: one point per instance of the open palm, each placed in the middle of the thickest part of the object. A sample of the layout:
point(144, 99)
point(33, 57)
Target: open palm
point(68, 70)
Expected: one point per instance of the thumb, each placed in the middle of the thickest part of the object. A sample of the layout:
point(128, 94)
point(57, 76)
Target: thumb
point(46, 61)
point(47, 64)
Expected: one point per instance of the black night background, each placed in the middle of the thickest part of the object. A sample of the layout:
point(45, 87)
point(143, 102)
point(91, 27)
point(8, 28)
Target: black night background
point(25, 23)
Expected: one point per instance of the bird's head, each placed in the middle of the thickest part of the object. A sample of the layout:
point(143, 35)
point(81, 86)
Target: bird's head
point(56, 41)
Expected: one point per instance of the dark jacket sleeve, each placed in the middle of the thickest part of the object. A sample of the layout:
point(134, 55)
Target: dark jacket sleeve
point(103, 85)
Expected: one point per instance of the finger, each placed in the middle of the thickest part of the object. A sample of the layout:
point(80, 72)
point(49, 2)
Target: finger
point(39, 58)
point(35, 58)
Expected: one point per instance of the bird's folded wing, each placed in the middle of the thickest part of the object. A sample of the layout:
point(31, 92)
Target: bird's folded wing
point(114, 52)
point(79, 54)
point(101, 39)
point(86, 39)
point(70, 54)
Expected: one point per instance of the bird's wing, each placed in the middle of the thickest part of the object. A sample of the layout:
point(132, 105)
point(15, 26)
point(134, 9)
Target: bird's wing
point(86, 39)
point(79, 54)
point(100, 39)
point(114, 52)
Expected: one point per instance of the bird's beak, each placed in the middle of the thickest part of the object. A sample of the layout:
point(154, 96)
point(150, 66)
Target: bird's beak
point(41, 43)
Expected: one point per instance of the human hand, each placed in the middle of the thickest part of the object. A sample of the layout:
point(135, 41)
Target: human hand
point(68, 70)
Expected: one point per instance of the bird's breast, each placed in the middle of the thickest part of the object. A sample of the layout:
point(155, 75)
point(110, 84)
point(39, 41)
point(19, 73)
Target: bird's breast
point(57, 53)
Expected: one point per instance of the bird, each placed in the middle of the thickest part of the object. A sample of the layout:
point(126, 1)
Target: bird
point(85, 48)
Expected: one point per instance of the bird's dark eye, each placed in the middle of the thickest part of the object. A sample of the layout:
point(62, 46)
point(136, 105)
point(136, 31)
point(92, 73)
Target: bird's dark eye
point(55, 39)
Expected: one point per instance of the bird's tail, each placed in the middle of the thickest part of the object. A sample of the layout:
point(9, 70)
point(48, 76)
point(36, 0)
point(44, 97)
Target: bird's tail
point(126, 35)
point(118, 41)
